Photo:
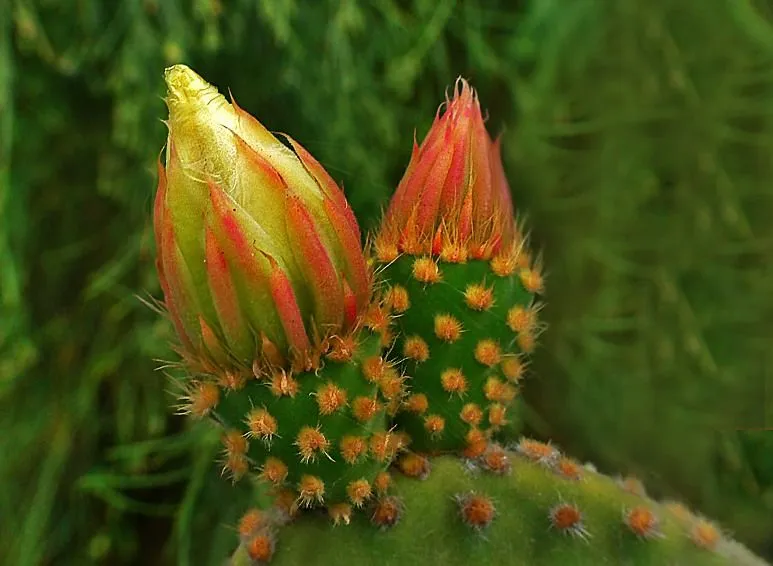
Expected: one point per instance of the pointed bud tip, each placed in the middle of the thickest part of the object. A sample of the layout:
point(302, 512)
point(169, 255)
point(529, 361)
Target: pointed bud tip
point(182, 82)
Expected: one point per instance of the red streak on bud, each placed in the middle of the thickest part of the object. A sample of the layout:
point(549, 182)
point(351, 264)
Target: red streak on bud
point(287, 305)
point(243, 251)
point(358, 280)
point(350, 306)
point(176, 293)
point(502, 195)
point(159, 214)
point(328, 185)
point(161, 226)
point(437, 241)
point(225, 298)
point(342, 217)
point(465, 218)
point(428, 205)
point(317, 267)
point(482, 186)
point(211, 342)
point(271, 178)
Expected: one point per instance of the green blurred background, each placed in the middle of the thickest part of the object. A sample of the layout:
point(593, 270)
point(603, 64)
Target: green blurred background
point(638, 137)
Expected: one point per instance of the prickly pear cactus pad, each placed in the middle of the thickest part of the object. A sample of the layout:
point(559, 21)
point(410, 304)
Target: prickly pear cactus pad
point(265, 281)
point(531, 506)
point(460, 282)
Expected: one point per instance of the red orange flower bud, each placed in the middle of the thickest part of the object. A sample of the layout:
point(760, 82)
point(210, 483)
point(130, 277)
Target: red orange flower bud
point(257, 246)
point(454, 196)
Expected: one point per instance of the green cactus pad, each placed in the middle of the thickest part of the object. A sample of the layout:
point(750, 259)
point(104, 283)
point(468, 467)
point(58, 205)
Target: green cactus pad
point(297, 427)
point(521, 516)
point(468, 382)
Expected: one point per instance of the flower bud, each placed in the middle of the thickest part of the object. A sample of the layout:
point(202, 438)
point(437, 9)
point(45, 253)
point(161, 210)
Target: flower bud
point(258, 250)
point(454, 194)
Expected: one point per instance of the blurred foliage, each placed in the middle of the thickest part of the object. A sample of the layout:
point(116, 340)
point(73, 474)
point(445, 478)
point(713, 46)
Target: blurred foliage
point(638, 141)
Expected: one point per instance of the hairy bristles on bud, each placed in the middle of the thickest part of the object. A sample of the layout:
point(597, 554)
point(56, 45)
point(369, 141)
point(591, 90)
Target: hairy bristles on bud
point(567, 518)
point(373, 368)
point(200, 398)
point(477, 511)
point(311, 490)
point(540, 452)
point(258, 371)
point(425, 270)
point(260, 547)
point(415, 348)
point(453, 381)
point(311, 442)
point(414, 466)
point(352, 448)
point(273, 471)
point(235, 443)
point(526, 342)
point(385, 250)
point(387, 512)
point(499, 391)
point(472, 414)
point(568, 468)
point(340, 513)
point(391, 385)
point(330, 398)
point(251, 522)
point(496, 460)
point(453, 252)
point(359, 491)
point(513, 368)
point(521, 319)
point(232, 380)
point(522, 257)
point(376, 318)
point(397, 299)
point(475, 443)
point(261, 425)
point(364, 408)
point(487, 352)
point(341, 348)
point(382, 482)
point(447, 328)
point(642, 522)
point(479, 297)
point(235, 465)
point(497, 415)
point(283, 384)
point(271, 355)
point(434, 425)
point(531, 279)
point(381, 446)
point(503, 264)
point(705, 535)
point(386, 337)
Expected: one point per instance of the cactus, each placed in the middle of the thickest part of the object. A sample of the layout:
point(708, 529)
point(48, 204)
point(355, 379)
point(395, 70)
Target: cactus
point(266, 284)
point(528, 506)
point(460, 282)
